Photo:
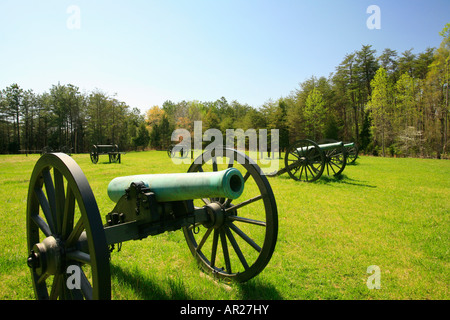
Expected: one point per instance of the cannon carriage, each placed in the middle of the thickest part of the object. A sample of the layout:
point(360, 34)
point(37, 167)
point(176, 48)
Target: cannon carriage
point(224, 206)
point(111, 150)
point(305, 160)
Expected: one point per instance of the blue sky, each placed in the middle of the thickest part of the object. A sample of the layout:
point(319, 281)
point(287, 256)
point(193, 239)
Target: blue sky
point(147, 52)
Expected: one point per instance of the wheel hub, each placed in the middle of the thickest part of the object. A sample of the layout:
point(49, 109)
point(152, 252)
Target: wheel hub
point(46, 257)
point(217, 215)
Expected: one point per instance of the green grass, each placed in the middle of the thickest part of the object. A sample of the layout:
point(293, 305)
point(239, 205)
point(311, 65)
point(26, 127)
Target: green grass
point(393, 213)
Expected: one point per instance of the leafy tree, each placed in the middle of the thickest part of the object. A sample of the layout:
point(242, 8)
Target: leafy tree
point(166, 132)
point(366, 68)
point(380, 107)
point(211, 120)
point(143, 137)
point(388, 60)
point(345, 85)
point(13, 96)
point(315, 112)
point(275, 114)
point(154, 115)
point(405, 114)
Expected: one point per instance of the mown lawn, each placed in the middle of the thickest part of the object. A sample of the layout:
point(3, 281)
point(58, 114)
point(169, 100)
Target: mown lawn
point(391, 213)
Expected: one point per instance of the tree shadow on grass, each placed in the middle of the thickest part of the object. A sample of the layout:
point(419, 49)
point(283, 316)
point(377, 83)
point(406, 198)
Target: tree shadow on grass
point(148, 289)
point(343, 179)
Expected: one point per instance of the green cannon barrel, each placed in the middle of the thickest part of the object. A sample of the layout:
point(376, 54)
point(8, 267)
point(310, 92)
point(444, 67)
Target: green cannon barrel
point(183, 186)
point(326, 146)
point(349, 145)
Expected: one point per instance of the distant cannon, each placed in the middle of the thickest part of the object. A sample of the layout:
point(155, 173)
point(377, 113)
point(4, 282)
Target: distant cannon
point(306, 160)
point(228, 216)
point(105, 149)
point(183, 150)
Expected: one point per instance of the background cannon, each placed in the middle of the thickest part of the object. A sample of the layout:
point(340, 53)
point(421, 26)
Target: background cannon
point(229, 220)
point(112, 151)
point(173, 149)
point(306, 160)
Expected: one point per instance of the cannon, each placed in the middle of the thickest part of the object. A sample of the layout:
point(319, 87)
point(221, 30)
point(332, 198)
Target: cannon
point(173, 149)
point(112, 150)
point(305, 160)
point(224, 206)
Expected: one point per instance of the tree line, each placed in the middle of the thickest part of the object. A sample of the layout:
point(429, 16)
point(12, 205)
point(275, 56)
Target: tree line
point(66, 119)
point(388, 103)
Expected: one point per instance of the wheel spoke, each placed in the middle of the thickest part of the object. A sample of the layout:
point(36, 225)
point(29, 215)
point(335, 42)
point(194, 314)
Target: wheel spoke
point(301, 173)
point(56, 287)
point(244, 203)
point(295, 154)
point(86, 287)
point(296, 170)
point(310, 171)
point(75, 294)
point(214, 248)
point(236, 248)
point(246, 220)
point(41, 225)
point(45, 208)
point(51, 196)
point(333, 164)
point(204, 238)
point(206, 201)
point(79, 256)
point(227, 202)
point(245, 237)
point(226, 255)
point(231, 163)
point(69, 210)
point(75, 234)
point(42, 278)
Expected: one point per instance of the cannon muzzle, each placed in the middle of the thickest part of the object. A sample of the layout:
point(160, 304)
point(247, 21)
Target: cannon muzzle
point(183, 186)
point(349, 145)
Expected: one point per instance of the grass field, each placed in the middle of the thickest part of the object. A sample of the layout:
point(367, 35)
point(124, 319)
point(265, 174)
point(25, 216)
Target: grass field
point(392, 213)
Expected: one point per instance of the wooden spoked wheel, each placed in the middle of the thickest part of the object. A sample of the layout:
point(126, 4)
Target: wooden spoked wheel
point(352, 154)
point(240, 239)
point(68, 253)
point(114, 157)
point(335, 160)
point(304, 161)
point(94, 157)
